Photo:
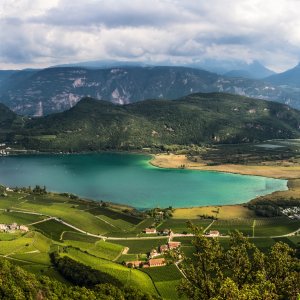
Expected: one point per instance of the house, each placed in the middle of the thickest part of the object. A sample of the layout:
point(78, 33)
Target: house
point(149, 230)
point(174, 245)
point(163, 248)
point(214, 233)
point(24, 228)
point(165, 231)
point(153, 253)
point(3, 227)
point(13, 226)
point(157, 262)
point(134, 263)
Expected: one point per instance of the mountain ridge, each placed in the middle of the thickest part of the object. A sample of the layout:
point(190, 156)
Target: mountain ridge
point(42, 92)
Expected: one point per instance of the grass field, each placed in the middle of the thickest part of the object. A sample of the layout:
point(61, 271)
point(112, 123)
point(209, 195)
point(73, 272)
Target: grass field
point(141, 246)
point(126, 275)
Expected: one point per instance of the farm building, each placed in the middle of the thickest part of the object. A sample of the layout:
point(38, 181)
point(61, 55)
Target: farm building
point(214, 233)
point(174, 245)
point(157, 262)
point(149, 230)
point(163, 248)
point(134, 263)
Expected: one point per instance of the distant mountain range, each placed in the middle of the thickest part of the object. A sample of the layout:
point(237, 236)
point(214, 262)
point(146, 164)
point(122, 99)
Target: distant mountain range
point(51, 90)
point(198, 118)
point(290, 78)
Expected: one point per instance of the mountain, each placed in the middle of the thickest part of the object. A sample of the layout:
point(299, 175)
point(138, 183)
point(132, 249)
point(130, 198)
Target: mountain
point(42, 92)
point(255, 70)
point(198, 118)
point(289, 78)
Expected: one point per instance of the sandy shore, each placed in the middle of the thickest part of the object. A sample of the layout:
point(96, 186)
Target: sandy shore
point(177, 161)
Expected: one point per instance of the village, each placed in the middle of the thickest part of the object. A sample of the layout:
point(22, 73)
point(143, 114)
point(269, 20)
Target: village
point(292, 212)
point(12, 228)
point(155, 256)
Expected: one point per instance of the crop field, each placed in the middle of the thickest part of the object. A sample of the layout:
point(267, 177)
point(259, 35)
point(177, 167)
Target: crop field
point(180, 225)
point(12, 199)
point(19, 218)
point(165, 279)
point(142, 245)
point(125, 275)
point(80, 237)
point(221, 212)
point(263, 227)
point(167, 289)
point(68, 213)
point(52, 229)
point(185, 240)
point(102, 211)
point(100, 249)
point(119, 224)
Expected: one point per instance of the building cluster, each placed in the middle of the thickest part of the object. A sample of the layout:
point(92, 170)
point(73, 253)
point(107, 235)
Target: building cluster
point(11, 228)
point(4, 150)
point(153, 260)
point(154, 231)
point(292, 212)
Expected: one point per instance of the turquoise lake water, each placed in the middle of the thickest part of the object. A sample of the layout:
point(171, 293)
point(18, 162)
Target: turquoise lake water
point(130, 179)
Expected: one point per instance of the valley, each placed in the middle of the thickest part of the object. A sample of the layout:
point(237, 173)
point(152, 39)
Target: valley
point(106, 236)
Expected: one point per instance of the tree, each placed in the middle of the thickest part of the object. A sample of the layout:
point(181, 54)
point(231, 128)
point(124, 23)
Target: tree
point(240, 272)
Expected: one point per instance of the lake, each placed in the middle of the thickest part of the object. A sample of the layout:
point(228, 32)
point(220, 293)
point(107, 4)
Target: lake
point(130, 179)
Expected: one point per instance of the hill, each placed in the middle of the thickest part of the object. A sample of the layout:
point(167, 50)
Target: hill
point(51, 90)
point(194, 119)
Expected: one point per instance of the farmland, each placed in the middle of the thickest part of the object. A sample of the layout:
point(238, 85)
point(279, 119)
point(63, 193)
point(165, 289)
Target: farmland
point(75, 228)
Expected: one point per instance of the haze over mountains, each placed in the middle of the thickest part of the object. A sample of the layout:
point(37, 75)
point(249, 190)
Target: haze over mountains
point(51, 90)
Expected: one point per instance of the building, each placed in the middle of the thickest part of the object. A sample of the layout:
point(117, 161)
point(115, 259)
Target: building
point(134, 263)
point(150, 230)
point(174, 245)
point(214, 233)
point(153, 253)
point(3, 227)
point(24, 228)
point(163, 248)
point(166, 231)
point(157, 262)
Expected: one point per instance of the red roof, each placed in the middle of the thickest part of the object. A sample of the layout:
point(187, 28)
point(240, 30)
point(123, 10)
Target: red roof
point(154, 262)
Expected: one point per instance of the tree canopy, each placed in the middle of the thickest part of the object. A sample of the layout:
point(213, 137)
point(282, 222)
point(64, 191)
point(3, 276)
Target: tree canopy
point(241, 272)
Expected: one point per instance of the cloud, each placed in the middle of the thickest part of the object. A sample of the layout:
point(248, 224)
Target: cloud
point(45, 32)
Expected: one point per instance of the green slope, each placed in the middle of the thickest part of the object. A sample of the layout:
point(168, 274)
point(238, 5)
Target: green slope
point(197, 118)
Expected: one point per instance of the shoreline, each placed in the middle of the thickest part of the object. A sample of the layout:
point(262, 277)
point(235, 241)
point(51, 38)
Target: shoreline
point(174, 161)
point(180, 161)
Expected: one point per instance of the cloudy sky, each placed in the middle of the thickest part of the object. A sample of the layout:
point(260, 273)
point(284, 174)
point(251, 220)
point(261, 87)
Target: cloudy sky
point(39, 33)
